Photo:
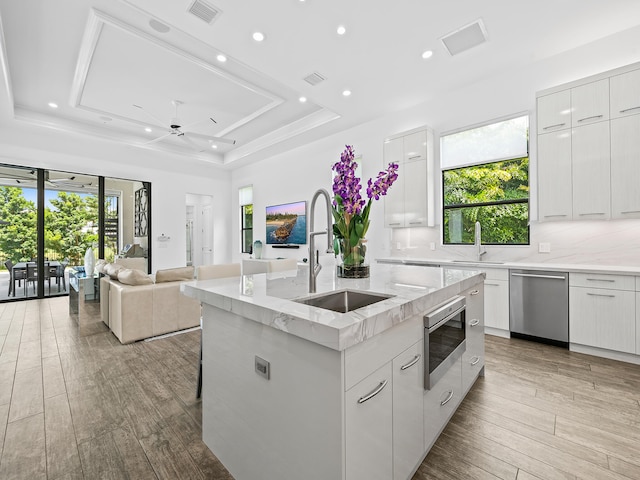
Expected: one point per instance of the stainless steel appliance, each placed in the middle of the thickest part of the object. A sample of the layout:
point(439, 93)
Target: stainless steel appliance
point(539, 306)
point(444, 339)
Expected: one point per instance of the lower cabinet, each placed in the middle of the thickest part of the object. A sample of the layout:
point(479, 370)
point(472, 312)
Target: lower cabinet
point(369, 448)
point(473, 357)
point(408, 431)
point(496, 302)
point(602, 311)
point(441, 402)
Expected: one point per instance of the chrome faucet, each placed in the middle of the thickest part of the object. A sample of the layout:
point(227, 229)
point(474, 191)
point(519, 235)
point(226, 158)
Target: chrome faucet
point(314, 264)
point(478, 241)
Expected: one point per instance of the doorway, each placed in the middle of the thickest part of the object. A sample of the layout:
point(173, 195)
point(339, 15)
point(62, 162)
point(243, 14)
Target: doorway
point(199, 229)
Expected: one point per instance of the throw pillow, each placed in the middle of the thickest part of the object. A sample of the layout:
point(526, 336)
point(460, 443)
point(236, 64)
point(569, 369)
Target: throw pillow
point(130, 276)
point(100, 265)
point(112, 270)
point(174, 274)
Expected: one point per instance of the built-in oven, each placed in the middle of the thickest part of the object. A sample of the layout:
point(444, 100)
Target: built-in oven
point(444, 339)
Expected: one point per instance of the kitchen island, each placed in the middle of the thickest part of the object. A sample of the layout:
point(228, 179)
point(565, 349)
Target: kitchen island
point(294, 391)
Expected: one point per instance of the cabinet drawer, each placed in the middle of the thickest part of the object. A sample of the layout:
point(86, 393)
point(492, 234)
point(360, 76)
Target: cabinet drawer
point(497, 274)
point(603, 318)
point(600, 280)
point(441, 402)
point(363, 358)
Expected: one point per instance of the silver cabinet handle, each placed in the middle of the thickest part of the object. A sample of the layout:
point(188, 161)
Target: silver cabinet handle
point(600, 280)
point(396, 223)
point(592, 213)
point(373, 393)
point(554, 126)
point(411, 363)
point(556, 215)
point(475, 360)
point(629, 109)
point(448, 399)
point(414, 157)
point(600, 295)
point(415, 223)
point(630, 211)
point(474, 322)
point(531, 275)
point(593, 117)
point(491, 284)
point(475, 292)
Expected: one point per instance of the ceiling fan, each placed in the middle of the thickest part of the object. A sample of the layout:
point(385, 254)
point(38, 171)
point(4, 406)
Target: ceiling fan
point(176, 128)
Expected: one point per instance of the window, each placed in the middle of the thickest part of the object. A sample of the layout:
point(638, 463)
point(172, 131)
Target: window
point(485, 179)
point(246, 219)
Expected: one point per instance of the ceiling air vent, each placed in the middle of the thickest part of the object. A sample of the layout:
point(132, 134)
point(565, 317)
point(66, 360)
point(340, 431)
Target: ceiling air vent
point(204, 11)
point(314, 78)
point(465, 38)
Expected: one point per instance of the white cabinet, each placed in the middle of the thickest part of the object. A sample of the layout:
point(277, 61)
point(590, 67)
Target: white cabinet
point(406, 203)
point(625, 166)
point(441, 402)
point(554, 112)
point(624, 94)
point(496, 300)
point(590, 103)
point(473, 356)
point(408, 429)
point(590, 152)
point(602, 311)
point(368, 413)
point(555, 197)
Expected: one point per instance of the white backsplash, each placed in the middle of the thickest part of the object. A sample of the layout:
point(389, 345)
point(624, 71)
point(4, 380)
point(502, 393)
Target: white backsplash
point(612, 242)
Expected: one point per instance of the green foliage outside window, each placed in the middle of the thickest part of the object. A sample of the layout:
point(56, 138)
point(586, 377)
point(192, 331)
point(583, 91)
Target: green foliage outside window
point(494, 194)
point(246, 213)
point(70, 226)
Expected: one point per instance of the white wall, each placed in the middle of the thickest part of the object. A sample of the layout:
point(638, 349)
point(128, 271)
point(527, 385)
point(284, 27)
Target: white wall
point(171, 179)
point(296, 174)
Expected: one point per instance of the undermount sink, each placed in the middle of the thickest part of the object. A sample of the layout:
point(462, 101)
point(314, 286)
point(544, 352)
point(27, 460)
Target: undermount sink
point(474, 262)
point(343, 301)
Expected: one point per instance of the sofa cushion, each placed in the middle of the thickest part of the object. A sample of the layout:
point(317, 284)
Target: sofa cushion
point(131, 276)
point(112, 270)
point(174, 274)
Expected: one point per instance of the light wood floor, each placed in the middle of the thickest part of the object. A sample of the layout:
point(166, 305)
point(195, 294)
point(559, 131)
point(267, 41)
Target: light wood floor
point(74, 406)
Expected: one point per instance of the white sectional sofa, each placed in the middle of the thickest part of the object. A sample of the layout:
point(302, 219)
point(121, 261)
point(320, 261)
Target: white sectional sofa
point(137, 306)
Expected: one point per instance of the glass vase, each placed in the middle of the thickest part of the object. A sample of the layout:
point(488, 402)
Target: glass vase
point(353, 260)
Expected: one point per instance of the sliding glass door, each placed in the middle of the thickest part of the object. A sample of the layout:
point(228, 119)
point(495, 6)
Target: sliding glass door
point(48, 220)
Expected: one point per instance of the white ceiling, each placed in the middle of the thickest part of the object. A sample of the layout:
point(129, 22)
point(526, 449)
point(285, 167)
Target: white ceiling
point(98, 58)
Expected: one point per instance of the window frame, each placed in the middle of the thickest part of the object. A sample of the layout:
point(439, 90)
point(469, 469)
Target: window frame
point(526, 200)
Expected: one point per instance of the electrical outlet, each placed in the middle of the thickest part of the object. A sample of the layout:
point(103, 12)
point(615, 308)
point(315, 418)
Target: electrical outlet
point(544, 247)
point(399, 246)
point(263, 367)
point(432, 245)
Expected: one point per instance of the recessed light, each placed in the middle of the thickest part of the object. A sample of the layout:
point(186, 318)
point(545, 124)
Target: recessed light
point(346, 93)
point(158, 26)
point(302, 99)
point(148, 130)
point(53, 104)
point(341, 30)
point(214, 146)
point(427, 54)
point(258, 36)
point(221, 58)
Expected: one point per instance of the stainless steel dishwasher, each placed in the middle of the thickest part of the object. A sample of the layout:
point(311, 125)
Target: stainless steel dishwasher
point(539, 306)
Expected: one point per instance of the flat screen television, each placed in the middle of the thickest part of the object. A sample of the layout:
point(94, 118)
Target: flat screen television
point(287, 224)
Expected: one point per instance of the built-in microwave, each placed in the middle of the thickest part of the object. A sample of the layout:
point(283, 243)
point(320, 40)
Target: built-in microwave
point(444, 339)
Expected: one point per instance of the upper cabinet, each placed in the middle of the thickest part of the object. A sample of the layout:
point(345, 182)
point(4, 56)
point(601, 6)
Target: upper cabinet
point(625, 94)
point(408, 201)
point(590, 103)
point(554, 112)
point(587, 161)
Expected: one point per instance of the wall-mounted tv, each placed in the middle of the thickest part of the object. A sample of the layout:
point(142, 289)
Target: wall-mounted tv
point(287, 224)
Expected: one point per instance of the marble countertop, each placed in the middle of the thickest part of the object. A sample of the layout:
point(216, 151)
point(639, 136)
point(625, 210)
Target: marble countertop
point(556, 267)
point(267, 298)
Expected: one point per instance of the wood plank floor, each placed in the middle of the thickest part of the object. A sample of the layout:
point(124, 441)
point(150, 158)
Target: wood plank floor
point(74, 406)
